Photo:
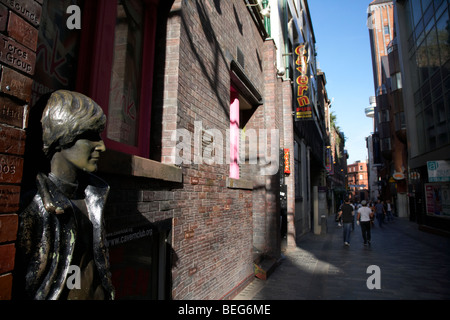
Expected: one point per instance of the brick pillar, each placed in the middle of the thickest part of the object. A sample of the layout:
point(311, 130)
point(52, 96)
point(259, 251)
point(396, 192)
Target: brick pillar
point(272, 115)
point(288, 127)
point(19, 24)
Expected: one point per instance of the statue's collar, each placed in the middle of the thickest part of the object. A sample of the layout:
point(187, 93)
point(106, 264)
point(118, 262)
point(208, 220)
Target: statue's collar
point(56, 193)
point(67, 188)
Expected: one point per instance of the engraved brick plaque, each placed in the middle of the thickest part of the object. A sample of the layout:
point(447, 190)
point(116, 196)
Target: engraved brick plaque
point(9, 198)
point(11, 113)
point(16, 84)
point(12, 140)
point(22, 31)
point(16, 55)
point(28, 9)
point(11, 168)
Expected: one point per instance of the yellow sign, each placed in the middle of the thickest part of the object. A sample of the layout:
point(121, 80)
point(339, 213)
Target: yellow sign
point(303, 108)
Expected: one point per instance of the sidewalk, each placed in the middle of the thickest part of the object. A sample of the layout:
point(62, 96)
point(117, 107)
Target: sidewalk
point(413, 265)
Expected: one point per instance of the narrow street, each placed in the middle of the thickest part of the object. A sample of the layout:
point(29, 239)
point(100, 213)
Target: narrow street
point(155, 150)
point(413, 264)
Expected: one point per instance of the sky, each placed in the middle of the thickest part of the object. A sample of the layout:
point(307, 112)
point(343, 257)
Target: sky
point(343, 53)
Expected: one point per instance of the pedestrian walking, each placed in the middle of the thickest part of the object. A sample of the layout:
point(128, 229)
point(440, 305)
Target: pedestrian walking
point(380, 212)
point(371, 205)
point(346, 212)
point(338, 217)
point(356, 206)
point(389, 215)
point(365, 214)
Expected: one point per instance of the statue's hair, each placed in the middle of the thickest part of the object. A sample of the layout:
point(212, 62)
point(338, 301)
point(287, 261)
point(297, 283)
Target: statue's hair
point(67, 115)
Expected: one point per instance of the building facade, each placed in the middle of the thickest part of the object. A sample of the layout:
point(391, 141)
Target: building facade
point(19, 31)
point(338, 174)
point(423, 43)
point(372, 153)
point(210, 157)
point(389, 121)
point(291, 29)
point(309, 126)
point(198, 117)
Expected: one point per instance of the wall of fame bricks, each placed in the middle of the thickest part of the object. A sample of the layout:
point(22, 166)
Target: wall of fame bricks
point(19, 23)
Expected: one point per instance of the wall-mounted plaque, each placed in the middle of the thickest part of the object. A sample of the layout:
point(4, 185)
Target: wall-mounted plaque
point(28, 9)
point(9, 198)
point(16, 55)
point(11, 113)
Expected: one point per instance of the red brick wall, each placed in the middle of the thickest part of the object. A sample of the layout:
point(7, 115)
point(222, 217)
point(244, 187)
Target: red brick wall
point(214, 227)
point(219, 255)
point(19, 22)
point(290, 178)
point(212, 224)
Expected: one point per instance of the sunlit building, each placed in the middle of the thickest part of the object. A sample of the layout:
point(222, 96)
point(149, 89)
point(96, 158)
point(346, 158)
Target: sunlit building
point(389, 138)
point(423, 33)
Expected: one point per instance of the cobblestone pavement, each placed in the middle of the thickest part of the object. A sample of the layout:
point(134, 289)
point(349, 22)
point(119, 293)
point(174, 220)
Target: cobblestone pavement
point(413, 265)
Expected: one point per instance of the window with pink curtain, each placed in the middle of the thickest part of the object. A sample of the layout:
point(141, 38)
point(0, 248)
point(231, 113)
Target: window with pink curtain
point(234, 133)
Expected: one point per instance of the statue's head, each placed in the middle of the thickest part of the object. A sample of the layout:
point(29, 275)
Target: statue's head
point(71, 125)
point(67, 117)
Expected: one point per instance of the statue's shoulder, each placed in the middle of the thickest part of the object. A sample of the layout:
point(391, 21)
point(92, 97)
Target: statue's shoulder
point(34, 208)
point(98, 186)
point(33, 202)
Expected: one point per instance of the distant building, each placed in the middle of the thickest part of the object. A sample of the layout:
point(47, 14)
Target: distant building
point(358, 181)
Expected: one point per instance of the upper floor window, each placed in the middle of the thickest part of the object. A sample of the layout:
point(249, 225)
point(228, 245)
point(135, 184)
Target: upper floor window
point(124, 94)
point(386, 144)
point(396, 81)
point(244, 99)
point(122, 57)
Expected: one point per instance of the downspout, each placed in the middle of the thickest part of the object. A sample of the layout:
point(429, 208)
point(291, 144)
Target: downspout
point(265, 4)
point(286, 39)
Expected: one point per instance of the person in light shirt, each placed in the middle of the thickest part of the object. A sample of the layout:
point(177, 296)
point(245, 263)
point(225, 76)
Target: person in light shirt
point(363, 219)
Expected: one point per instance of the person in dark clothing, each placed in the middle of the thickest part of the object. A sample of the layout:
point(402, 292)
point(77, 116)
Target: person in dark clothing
point(347, 213)
point(380, 212)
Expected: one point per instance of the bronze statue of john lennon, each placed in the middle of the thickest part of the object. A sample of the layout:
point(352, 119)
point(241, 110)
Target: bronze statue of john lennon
point(61, 231)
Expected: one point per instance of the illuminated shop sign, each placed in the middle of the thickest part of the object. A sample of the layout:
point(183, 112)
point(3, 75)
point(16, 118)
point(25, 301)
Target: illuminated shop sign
point(287, 165)
point(438, 171)
point(303, 110)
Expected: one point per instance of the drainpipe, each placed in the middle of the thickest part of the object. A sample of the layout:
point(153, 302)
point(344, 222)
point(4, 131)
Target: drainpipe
point(265, 4)
point(286, 38)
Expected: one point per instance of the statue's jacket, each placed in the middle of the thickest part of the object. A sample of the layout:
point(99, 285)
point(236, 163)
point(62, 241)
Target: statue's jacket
point(47, 237)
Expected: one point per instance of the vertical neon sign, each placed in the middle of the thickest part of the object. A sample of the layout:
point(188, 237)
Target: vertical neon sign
point(303, 109)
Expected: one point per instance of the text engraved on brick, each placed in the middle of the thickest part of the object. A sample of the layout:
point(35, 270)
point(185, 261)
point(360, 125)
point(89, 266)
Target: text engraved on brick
point(16, 55)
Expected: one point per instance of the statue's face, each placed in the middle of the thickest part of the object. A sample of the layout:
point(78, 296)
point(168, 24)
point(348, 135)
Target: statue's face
point(85, 153)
